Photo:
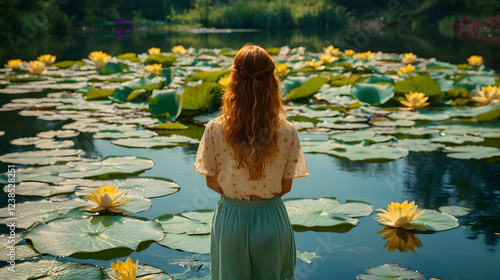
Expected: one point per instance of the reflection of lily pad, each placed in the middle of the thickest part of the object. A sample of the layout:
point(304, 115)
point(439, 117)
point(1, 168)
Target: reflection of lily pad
point(64, 237)
point(455, 210)
point(53, 270)
point(198, 243)
point(195, 222)
point(390, 271)
point(45, 157)
point(325, 212)
point(109, 166)
point(472, 152)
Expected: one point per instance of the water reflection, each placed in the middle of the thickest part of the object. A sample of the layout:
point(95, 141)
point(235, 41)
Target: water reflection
point(401, 239)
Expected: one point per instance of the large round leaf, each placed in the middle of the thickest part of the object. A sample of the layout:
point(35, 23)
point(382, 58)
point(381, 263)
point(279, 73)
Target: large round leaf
point(390, 272)
point(48, 174)
point(198, 243)
point(422, 84)
point(194, 222)
point(432, 220)
point(142, 187)
point(418, 145)
point(53, 270)
point(109, 166)
point(166, 102)
point(64, 237)
point(118, 134)
point(153, 142)
point(361, 152)
point(42, 157)
point(325, 212)
point(307, 89)
point(472, 152)
point(20, 252)
point(373, 93)
point(359, 136)
point(41, 189)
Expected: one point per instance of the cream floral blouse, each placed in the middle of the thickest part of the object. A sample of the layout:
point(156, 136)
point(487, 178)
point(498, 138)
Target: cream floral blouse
point(215, 157)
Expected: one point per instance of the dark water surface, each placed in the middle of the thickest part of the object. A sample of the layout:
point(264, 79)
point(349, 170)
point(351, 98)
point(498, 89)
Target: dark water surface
point(431, 179)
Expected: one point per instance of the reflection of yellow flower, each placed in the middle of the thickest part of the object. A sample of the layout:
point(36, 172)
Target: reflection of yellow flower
point(401, 239)
point(317, 65)
point(415, 100)
point(475, 60)
point(154, 69)
point(282, 70)
point(409, 58)
point(14, 64)
point(153, 51)
point(224, 81)
point(99, 58)
point(400, 215)
point(36, 67)
point(487, 94)
point(405, 70)
point(179, 50)
point(331, 50)
point(349, 52)
point(125, 270)
point(326, 58)
point(365, 55)
point(107, 198)
point(48, 59)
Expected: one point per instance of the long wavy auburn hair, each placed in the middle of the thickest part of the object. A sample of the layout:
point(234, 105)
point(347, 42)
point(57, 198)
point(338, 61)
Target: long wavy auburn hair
point(251, 110)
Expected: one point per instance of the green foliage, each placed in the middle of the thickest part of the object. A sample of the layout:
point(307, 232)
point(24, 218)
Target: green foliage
point(208, 76)
point(200, 97)
point(99, 94)
point(422, 84)
point(164, 60)
point(309, 88)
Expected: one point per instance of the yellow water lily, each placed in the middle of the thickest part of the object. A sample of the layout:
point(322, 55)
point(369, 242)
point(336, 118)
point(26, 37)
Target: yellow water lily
point(475, 60)
point(406, 69)
point(153, 51)
point(224, 81)
point(99, 58)
point(154, 69)
point(36, 67)
point(415, 100)
point(107, 198)
point(331, 50)
point(487, 94)
point(317, 65)
point(179, 50)
point(401, 239)
point(365, 55)
point(409, 58)
point(282, 70)
point(400, 215)
point(14, 64)
point(349, 52)
point(125, 270)
point(326, 58)
point(48, 59)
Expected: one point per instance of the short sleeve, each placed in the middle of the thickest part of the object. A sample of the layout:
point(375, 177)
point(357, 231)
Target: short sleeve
point(206, 162)
point(296, 166)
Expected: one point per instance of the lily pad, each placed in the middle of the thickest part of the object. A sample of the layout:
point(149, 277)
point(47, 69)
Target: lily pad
point(167, 102)
point(42, 157)
point(200, 97)
point(53, 270)
point(41, 189)
point(422, 84)
point(358, 136)
point(109, 166)
point(420, 115)
point(58, 134)
point(325, 212)
point(472, 152)
point(153, 142)
point(418, 145)
point(307, 89)
point(64, 237)
point(119, 134)
point(198, 243)
point(307, 257)
point(432, 220)
point(455, 210)
point(195, 222)
point(21, 251)
point(457, 139)
point(47, 174)
point(373, 93)
point(360, 152)
point(41, 211)
point(390, 272)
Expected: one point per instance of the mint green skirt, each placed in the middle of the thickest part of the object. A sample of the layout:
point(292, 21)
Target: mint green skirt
point(252, 240)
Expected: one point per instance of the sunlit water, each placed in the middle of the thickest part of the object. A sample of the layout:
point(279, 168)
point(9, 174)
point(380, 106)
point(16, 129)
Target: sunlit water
point(432, 180)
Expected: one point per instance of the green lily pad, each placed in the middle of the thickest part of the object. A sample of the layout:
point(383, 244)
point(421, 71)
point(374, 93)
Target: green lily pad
point(208, 76)
point(345, 119)
point(418, 145)
point(358, 136)
point(489, 112)
point(343, 125)
point(41, 189)
point(64, 237)
point(112, 68)
point(47, 174)
point(318, 146)
point(390, 272)
point(53, 270)
point(455, 210)
point(360, 152)
point(99, 94)
point(388, 123)
point(198, 243)
point(166, 102)
point(307, 89)
point(307, 257)
point(422, 84)
point(20, 252)
point(373, 93)
point(325, 212)
point(42, 143)
point(153, 142)
point(109, 166)
point(58, 134)
point(420, 115)
point(432, 220)
point(200, 97)
point(194, 222)
point(167, 126)
point(119, 134)
point(41, 211)
point(457, 139)
point(337, 95)
point(164, 60)
point(140, 187)
point(416, 131)
point(45, 157)
point(472, 152)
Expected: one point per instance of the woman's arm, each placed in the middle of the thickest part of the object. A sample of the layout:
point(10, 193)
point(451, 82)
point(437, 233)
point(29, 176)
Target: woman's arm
point(286, 186)
point(213, 183)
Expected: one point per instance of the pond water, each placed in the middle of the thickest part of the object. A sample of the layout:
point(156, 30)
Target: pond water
point(432, 180)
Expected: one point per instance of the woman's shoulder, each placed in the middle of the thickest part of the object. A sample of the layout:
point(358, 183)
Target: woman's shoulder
point(287, 126)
